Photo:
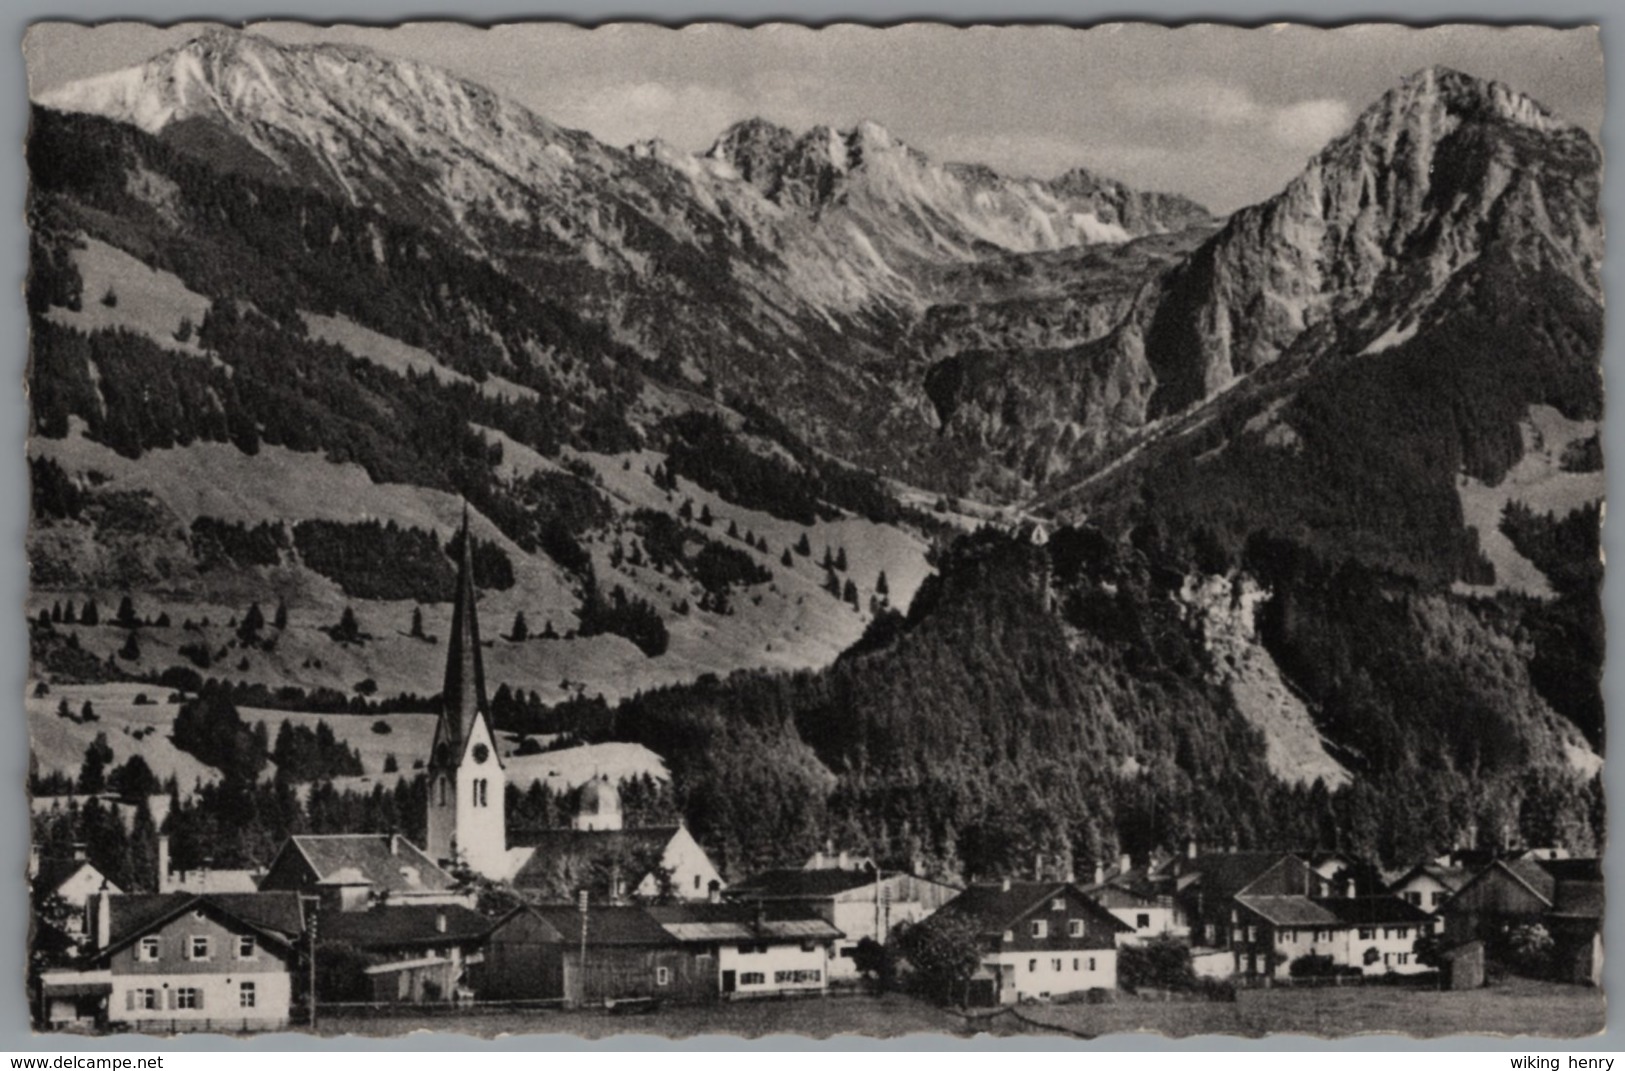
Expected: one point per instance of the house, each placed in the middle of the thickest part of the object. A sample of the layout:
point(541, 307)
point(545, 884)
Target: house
point(1375, 934)
point(536, 953)
point(1142, 898)
point(1039, 939)
point(1208, 885)
point(1428, 885)
point(1575, 923)
point(1503, 893)
point(862, 904)
point(180, 961)
point(355, 871)
point(467, 781)
point(755, 949)
point(75, 880)
point(204, 879)
point(423, 950)
point(609, 859)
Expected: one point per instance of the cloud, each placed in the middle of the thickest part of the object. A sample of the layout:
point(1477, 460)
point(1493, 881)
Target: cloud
point(682, 113)
point(1310, 124)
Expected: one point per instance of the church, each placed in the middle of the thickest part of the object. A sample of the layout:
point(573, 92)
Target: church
point(467, 795)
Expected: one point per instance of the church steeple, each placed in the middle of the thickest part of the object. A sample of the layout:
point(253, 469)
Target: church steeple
point(463, 696)
point(467, 784)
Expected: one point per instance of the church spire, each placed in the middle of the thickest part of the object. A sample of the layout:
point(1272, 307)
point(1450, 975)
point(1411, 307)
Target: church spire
point(463, 696)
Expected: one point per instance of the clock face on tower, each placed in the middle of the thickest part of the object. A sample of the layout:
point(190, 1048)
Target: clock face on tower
point(481, 752)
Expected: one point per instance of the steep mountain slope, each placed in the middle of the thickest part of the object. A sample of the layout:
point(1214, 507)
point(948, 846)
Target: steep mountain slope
point(818, 251)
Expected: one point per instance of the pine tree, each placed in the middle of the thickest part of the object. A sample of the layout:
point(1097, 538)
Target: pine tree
point(803, 547)
point(733, 530)
point(68, 614)
point(90, 615)
point(280, 621)
point(832, 583)
point(131, 651)
point(840, 560)
point(850, 594)
point(786, 560)
point(417, 623)
point(705, 516)
point(93, 771)
point(56, 613)
point(88, 713)
point(882, 588)
point(686, 510)
point(520, 631)
point(126, 618)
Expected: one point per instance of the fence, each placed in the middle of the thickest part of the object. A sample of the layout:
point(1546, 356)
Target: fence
point(1418, 980)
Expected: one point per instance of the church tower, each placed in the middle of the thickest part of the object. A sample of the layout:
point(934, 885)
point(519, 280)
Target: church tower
point(467, 785)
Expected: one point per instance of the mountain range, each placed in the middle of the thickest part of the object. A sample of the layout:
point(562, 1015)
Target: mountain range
point(668, 381)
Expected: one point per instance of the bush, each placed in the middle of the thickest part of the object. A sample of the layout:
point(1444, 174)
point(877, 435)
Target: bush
point(1163, 962)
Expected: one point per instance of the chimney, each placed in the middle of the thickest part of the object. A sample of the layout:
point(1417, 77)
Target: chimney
point(163, 862)
point(104, 919)
point(78, 851)
point(714, 892)
point(1005, 885)
point(844, 861)
point(394, 844)
point(818, 860)
point(1100, 874)
point(761, 917)
point(1124, 863)
point(440, 922)
point(1190, 847)
point(1038, 866)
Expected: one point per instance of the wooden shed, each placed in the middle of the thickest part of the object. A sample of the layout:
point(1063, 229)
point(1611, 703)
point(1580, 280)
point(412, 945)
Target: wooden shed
point(535, 953)
point(1463, 966)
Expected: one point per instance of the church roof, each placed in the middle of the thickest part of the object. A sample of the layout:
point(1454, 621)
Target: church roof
point(599, 797)
point(387, 862)
point(462, 695)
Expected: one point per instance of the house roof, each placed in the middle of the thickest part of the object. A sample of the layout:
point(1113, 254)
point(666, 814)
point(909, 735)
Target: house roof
point(995, 908)
point(1374, 910)
point(615, 925)
point(1289, 910)
point(387, 862)
point(741, 922)
point(1452, 878)
point(1526, 872)
point(800, 884)
point(1579, 900)
point(55, 873)
point(404, 926)
point(552, 846)
point(1580, 869)
point(1224, 874)
point(273, 914)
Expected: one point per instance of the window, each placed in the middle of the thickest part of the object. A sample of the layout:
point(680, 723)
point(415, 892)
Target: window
point(662, 976)
point(1040, 928)
point(1032, 966)
point(1091, 963)
point(1414, 897)
point(1404, 958)
point(197, 947)
point(753, 978)
point(149, 950)
point(1142, 922)
point(745, 950)
point(797, 977)
point(1404, 932)
point(480, 797)
point(1367, 933)
point(440, 792)
point(1009, 935)
point(245, 946)
point(696, 881)
point(143, 999)
point(1055, 964)
point(247, 995)
point(1077, 964)
point(187, 999)
point(1438, 898)
point(1074, 928)
point(1058, 904)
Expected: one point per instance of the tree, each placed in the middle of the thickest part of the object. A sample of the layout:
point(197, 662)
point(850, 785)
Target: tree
point(786, 560)
point(829, 558)
point(875, 962)
point(134, 779)
point(280, 621)
point(705, 516)
point(832, 583)
point(126, 616)
point(945, 952)
point(803, 546)
point(90, 615)
point(131, 651)
point(417, 623)
point(850, 593)
point(1163, 962)
point(882, 588)
point(253, 622)
point(88, 713)
point(93, 771)
point(520, 631)
point(840, 559)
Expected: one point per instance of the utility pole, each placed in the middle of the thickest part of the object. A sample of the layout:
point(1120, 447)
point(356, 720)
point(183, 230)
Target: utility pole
point(584, 898)
point(310, 930)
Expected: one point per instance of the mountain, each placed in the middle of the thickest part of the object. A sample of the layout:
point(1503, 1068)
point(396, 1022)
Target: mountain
point(819, 249)
point(1322, 478)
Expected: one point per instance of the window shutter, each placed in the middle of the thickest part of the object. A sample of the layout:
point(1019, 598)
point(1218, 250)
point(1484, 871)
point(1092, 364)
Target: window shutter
point(199, 991)
point(129, 1000)
point(172, 999)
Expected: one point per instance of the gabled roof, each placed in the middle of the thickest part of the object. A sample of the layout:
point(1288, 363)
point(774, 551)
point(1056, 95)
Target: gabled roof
point(553, 847)
point(55, 873)
point(1579, 900)
point(276, 915)
point(614, 925)
point(1224, 874)
point(996, 908)
point(462, 695)
point(1525, 872)
point(1452, 878)
point(800, 884)
point(1288, 910)
point(1578, 869)
point(404, 926)
point(386, 862)
point(742, 922)
point(1374, 910)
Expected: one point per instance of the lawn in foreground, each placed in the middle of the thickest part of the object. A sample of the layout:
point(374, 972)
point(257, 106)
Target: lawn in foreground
point(1517, 1006)
point(889, 1016)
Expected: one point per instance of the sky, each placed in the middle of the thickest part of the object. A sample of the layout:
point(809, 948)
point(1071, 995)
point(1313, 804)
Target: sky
point(1223, 115)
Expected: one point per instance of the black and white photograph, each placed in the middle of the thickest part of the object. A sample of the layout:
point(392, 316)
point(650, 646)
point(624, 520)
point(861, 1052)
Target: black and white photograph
point(1040, 531)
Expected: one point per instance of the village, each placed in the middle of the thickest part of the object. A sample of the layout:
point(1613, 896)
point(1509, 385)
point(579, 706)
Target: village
point(605, 915)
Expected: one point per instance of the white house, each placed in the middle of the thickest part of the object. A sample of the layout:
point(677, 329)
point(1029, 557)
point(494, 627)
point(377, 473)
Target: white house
point(1376, 934)
point(1429, 886)
point(759, 949)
